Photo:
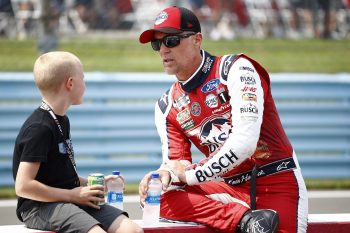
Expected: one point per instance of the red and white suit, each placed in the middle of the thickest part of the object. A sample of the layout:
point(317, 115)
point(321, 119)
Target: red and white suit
point(227, 111)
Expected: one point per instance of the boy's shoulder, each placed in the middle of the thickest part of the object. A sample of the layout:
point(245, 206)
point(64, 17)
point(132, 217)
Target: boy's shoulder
point(37, 119)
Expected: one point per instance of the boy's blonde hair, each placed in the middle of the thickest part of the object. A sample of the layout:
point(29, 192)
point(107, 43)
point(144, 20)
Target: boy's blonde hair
point(51, 70)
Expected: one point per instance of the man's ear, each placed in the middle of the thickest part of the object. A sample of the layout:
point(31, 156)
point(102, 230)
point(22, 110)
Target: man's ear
point(198, 37)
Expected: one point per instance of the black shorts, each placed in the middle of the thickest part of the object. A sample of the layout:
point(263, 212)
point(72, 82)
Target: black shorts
point(67, 217)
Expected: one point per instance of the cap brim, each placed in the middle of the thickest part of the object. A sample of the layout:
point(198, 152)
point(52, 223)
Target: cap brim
point(148, 35)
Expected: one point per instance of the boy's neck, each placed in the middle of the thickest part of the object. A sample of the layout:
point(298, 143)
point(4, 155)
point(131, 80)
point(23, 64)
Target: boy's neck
point(58, 107)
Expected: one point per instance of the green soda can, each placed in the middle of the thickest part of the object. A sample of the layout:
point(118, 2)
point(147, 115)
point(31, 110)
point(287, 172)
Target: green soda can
point(97, 178)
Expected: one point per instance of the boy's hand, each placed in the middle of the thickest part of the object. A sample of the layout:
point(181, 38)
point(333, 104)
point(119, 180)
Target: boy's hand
point(87, 195)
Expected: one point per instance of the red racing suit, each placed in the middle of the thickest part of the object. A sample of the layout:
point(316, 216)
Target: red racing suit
point(227, 111)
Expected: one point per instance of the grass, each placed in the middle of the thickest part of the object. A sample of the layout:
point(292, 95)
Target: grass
point(122, 55)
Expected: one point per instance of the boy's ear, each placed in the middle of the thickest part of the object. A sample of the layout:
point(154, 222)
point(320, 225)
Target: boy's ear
point(69, 83)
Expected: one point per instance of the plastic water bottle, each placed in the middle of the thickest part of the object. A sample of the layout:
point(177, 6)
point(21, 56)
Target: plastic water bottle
point(115, 193)
point(152, 204)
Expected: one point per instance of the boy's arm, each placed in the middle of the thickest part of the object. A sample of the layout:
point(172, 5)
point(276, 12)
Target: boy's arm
point(83, 181)
point(27, 187)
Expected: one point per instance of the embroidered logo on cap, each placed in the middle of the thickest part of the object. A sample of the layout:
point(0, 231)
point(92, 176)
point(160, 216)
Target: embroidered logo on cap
point(161, 18)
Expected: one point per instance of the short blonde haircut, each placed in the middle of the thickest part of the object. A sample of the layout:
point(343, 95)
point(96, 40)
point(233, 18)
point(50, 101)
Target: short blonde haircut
point(51, 70)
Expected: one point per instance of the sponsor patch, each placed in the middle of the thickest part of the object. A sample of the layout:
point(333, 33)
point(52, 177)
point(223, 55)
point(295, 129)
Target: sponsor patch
point(211, 101)
point(195, 109)
point(249, 118)
point(223, 97)
point(247, 68)
point(248, 89)
point(182, 101)
point(183, 116)
point(248, 79)
point(211, 85)
point(222, 108)
point(188, 125)
point(214, 133)
point(249, 108)
point(207, 65)
point(249, 97)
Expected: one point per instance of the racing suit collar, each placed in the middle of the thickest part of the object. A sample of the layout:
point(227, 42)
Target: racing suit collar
point(201, 74)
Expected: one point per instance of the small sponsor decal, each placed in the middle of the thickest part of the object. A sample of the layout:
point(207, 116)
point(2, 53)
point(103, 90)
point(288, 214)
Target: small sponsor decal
point(249, 97)
point(248, 79)
point(223, 97)
point(188, 125)
point(249, 118)
point(211, 101)
point(222, 108)
point(207, 65)
point(248, 89)
point(195, 109)
point(211, 85)
point(249, 108)
point(183, 116)
point(182, 101)
point(246, 68)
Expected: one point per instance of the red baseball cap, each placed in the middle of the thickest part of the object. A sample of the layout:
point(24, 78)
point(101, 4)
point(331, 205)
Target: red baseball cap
point(172, 20)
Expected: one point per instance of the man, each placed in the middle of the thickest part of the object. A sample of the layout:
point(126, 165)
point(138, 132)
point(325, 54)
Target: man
point(250, 180)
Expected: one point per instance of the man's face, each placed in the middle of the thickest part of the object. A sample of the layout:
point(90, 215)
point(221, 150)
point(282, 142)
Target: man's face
point(178, 60)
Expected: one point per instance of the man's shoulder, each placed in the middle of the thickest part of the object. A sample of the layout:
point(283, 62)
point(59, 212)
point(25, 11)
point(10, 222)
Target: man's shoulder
point(165, 100)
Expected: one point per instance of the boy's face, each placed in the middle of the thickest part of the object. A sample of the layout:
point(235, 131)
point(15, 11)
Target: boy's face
point(79, 86)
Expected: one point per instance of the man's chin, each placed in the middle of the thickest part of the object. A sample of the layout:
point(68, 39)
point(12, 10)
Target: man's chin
point(169, 71)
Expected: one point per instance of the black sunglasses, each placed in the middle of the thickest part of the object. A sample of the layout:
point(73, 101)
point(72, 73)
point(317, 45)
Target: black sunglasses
point(170, 41)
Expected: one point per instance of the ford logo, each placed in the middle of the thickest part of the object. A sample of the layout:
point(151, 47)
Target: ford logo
point(211, 85)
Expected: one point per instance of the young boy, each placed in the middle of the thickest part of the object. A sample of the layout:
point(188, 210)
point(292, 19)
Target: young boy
point(51, 195)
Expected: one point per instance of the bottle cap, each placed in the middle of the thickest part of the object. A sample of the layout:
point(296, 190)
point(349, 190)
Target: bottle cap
point(155, 175)
point(117, 173)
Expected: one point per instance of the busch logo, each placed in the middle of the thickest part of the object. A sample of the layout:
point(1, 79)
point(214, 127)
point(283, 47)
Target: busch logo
point(214, 133)
point(249, 108)
point(222, 164)
point(248, 79)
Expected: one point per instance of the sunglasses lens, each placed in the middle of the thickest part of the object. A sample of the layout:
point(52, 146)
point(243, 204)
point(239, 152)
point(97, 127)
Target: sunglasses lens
point(168, 41)
point(156, 44)
point(171, 41)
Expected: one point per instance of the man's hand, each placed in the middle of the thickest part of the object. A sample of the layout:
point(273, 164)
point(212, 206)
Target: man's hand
point(143, 187)
point(178, 168)
point(87, 195)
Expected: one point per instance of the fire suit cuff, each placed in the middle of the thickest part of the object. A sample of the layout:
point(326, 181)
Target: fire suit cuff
point(191, 178)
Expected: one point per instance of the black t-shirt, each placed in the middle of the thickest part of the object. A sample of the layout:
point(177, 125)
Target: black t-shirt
point(40, 140)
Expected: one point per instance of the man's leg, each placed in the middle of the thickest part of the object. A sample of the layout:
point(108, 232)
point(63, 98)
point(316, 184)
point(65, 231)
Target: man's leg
point(214, 204)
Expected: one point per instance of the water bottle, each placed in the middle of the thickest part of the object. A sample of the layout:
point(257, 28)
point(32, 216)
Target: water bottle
point(115, 193)
point(152, 204)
